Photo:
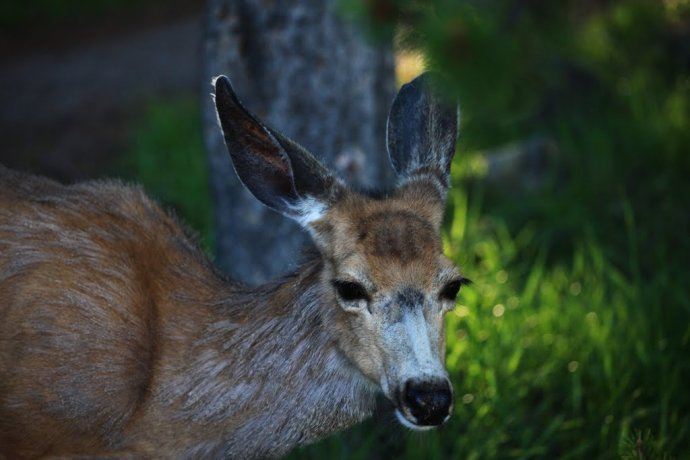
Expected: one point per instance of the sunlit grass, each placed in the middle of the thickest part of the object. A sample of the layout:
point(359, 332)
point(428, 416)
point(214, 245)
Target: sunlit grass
point(549, 359)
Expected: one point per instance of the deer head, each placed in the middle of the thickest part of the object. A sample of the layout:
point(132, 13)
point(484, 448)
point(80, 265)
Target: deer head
point(385, 275)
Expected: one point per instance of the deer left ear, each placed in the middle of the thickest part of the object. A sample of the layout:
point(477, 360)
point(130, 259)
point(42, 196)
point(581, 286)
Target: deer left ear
point(276, 170)
point(422, 132)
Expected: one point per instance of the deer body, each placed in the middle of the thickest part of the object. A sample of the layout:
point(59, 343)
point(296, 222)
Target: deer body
point(117, 335)
point(104, 297)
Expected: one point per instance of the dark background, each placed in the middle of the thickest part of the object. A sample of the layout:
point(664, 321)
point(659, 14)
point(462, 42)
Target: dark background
point(569, 209)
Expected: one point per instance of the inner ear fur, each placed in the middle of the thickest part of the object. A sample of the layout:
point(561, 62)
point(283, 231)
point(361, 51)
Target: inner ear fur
point(276, 170)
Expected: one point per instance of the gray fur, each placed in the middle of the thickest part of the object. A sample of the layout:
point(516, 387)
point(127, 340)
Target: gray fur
point(412, 331)
point(283, 380)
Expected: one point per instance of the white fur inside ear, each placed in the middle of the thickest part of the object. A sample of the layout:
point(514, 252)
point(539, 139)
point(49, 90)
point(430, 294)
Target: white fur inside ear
point(308, 210)
point(213, 98)
point(215, 111)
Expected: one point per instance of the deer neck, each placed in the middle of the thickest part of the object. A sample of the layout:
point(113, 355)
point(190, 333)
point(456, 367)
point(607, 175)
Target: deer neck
point(266, 368)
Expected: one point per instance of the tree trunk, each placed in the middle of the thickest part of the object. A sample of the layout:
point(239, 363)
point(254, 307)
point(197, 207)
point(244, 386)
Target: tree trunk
point(306, 73)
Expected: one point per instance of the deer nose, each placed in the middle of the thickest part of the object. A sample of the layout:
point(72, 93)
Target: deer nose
point(429, 402)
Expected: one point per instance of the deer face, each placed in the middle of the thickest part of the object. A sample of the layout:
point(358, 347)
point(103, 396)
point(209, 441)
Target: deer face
point(385, 274)
point(393, 285)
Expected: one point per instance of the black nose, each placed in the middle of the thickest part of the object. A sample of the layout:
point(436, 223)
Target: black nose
point(428, 401)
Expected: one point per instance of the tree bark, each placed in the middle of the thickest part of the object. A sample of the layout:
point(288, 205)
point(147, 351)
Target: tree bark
point(308, 74)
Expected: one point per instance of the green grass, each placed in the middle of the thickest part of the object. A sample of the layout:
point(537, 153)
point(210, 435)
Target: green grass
point(573, 341)
point(166, 155)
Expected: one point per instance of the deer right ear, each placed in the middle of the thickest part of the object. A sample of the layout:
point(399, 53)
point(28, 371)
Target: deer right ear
point(276, 170)
point(422, 132)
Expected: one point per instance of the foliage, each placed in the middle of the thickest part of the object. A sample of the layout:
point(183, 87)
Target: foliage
point(640, 446)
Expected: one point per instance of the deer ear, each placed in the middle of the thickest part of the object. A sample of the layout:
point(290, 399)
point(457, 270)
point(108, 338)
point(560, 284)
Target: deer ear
point(276, 170)
point(422, 132)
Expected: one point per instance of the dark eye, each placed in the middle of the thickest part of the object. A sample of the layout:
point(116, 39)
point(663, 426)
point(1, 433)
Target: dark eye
point(451, 289)
point(350, 291)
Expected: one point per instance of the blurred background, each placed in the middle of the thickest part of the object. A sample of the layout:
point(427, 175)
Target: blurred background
point(570, 207)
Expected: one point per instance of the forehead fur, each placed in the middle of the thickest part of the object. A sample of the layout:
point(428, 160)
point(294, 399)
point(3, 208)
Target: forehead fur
point(392, 240)
point(398, 234)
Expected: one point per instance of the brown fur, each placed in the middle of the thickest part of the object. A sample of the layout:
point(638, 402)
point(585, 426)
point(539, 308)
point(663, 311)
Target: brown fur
point(87, 289)
point(389, 242)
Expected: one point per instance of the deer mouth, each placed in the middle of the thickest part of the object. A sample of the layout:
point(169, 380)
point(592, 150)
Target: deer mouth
point(405, 420)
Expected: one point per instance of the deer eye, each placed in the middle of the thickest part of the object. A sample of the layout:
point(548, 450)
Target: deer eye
point(451, 289)
point(350, 291)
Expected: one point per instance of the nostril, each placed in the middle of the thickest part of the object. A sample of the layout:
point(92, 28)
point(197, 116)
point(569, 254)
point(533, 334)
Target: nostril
point(416, 396)
point(428, 402)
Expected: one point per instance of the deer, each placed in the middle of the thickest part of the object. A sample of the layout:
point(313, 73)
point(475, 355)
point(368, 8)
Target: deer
point(119, 338)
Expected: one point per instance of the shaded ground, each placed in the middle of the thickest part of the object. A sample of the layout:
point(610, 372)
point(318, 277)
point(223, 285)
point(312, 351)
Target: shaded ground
point(68, 100)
